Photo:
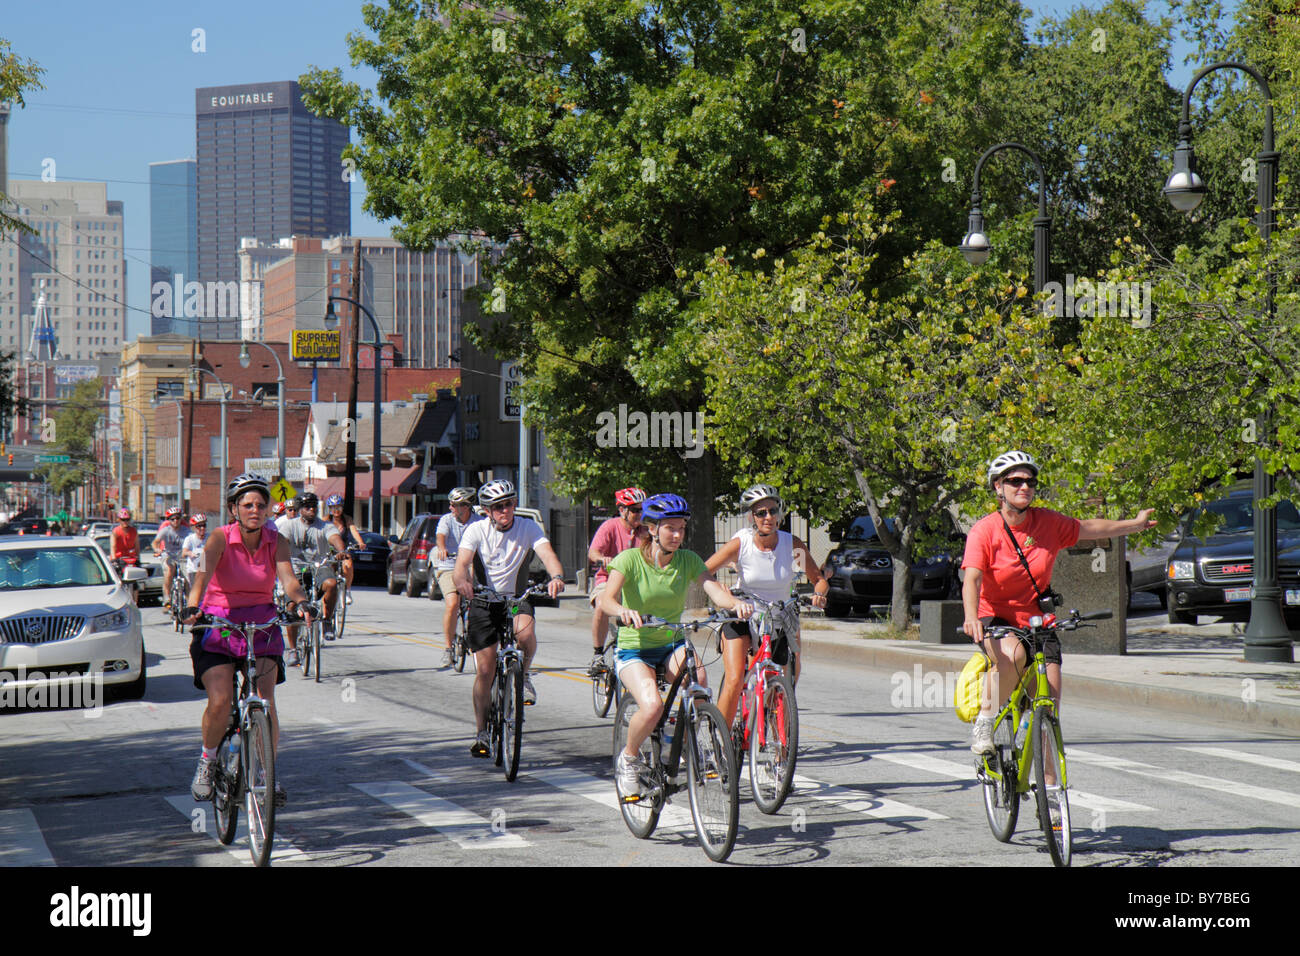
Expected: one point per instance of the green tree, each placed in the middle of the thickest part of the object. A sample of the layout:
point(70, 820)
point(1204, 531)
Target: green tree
point(75, 422)
point(610, 146)
point(17, 75)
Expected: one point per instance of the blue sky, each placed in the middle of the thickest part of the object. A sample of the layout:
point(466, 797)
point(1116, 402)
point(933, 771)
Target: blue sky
point(120, 81)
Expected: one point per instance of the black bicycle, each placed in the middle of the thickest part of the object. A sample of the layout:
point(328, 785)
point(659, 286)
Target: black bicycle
point(698, 730)
point(505, 717)
point(244, 769)
point(604, 679)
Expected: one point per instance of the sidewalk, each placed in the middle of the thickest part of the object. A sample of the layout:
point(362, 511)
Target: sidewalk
point(1197, 671)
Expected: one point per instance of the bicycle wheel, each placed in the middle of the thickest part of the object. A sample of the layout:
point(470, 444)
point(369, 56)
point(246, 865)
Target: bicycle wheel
point(642, 815)
point(305, 651)
point(1001, 801)
point(226, 784)
point(1048, 751)
point(259, 754)
point(317, 627)
point(341, 610)
point(712, 781)
point(772, 760)
point(602, 687)
point(512, 719)
point(495, 706)
point(459, 651)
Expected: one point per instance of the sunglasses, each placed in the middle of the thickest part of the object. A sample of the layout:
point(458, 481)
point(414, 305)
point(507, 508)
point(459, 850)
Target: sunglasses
point(635, 510)
point(1017, 482)
point(764, 512)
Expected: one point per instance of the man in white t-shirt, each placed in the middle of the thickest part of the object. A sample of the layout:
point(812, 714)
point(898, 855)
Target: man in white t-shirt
point(500, 550)
point(451, 528)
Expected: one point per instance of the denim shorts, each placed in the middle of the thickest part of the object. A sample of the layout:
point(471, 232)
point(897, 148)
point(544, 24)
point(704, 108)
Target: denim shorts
point(654, 657)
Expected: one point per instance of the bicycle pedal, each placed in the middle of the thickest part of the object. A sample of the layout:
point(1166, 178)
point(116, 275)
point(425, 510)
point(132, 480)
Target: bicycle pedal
point(631, 798)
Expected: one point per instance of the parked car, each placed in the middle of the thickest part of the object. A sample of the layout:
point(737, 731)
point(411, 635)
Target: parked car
point(1212, 575)
point(408, 561)
point(1147, 567)
point(371, 564)
point(25, 526)
point(861, 572)
point(63, 611)
point(150, 589)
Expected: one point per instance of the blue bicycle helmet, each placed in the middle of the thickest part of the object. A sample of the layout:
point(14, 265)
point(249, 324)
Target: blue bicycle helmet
point(334, 501)
point(659, 507)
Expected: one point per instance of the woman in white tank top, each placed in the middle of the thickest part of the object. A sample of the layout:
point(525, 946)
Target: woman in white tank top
point(766, 559)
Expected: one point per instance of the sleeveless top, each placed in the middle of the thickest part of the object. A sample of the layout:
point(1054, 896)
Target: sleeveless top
point(769, 574)
point(242, 588)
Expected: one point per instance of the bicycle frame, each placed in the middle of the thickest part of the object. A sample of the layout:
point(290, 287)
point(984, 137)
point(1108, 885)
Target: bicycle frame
point(1032, 691)
point(761, 668)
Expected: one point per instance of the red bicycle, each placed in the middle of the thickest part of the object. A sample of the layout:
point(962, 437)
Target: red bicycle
point(767, 721)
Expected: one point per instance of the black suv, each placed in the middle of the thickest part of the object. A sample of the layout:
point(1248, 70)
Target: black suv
point(861, 572)
point(1213, 576)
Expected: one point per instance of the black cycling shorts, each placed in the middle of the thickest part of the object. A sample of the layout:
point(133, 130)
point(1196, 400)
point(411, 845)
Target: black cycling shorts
point(1051, 643)
point(487, 621)
point(204, 660)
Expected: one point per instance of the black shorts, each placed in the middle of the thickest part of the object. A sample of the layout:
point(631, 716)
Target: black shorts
point(1051, 643)
point(780, 645)
point(487, 621)
point(204, 660)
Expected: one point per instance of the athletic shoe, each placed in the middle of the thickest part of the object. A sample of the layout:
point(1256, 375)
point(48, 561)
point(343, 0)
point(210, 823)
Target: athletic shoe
point(446, 658)
point(201, 787)
point(597, 665)
point(982, 736)
point(530, 693)
point(482, 745)
point(349, 596)
point(281, 797)
point(327, 630)
point(628, 774)
point(293, 660)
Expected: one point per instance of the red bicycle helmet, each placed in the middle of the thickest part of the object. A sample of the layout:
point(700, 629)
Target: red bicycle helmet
point(629, 496)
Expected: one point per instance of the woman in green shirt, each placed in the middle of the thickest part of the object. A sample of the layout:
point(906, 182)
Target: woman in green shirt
point(653, 579)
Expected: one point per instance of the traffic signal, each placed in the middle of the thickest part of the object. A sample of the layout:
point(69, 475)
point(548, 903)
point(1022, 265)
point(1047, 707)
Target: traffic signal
point(11, 458)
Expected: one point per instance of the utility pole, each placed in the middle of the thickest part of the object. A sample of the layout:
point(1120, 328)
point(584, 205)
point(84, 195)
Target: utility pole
point(350, 473)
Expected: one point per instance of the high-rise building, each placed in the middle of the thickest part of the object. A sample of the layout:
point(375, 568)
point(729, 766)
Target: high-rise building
point(75, 259)
point(267, 168)
point(173, 238)
point(255, 258)
point(415, 296)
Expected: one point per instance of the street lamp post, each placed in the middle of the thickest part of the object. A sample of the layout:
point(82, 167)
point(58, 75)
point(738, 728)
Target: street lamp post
point(244, 361)
point(1267, 636)
point(180, 461)
point(976, 246)
point(331, 321)
point(195, 370)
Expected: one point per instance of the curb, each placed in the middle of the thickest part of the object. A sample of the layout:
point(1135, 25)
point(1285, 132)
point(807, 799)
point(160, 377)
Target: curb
point(1189, 703)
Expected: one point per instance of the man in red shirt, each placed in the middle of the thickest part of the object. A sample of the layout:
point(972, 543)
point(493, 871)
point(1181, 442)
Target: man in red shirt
point(125, 548)
point(996, 588)
point(613, 536)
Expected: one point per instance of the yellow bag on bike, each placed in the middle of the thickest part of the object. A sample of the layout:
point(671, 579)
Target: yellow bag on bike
point(970, 686)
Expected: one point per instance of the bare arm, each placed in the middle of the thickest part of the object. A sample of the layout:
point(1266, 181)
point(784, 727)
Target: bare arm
point(609, 601)
point(725, 555)
point(288, 580)
point(213, 549)
point(970, 599)
point(1092, 528)
point(461, 576)
point(553, 567)
point(814, 574)
point(724, 598)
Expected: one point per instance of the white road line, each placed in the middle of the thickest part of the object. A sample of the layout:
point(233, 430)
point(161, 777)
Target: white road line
point(428, 772)
point(282, 851)
point(849, 798)
point(957, 771)
point(21, 843)
point(600, 791)
point(1274, 762)
point(466, 829)
point(1181, 776)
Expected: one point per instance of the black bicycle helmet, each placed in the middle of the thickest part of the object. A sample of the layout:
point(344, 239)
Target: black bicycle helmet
point(242, 484)
point(308, 499)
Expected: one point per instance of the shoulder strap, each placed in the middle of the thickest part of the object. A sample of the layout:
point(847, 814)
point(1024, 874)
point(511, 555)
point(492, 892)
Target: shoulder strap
point(1015, 544)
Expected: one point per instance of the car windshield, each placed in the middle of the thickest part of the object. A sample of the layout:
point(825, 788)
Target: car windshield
point(863, 529)
point(1238, 515)
point(373, 540)
point(22, 569)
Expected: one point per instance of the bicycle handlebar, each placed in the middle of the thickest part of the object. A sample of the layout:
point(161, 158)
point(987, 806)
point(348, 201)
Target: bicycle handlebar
point(1071, 623)
point(204, 619)
point(492, 594)
point(649, 620)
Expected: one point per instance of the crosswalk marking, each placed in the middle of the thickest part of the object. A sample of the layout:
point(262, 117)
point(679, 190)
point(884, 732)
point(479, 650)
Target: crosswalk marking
point(849, 798)
point(466, 829)
point(671, 818)
point(282, 851)
point(958, 771)
point(428, 772)
point(21, 843)
point(1190, 779)
point(1275, 762)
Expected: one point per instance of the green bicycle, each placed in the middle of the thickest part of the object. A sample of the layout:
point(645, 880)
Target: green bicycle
point(1016, 767)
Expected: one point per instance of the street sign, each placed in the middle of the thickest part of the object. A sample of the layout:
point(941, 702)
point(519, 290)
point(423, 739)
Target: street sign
point(191, 484)
point(295, 469)
point(51, 459)
point(511, 378)
point(282, 490)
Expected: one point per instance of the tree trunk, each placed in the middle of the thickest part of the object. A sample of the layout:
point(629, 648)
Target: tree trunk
point(901, 601)
point(699, 531)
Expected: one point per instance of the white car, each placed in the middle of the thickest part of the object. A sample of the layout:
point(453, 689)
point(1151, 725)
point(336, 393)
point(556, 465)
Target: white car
point(150, 588)
point(66, 622)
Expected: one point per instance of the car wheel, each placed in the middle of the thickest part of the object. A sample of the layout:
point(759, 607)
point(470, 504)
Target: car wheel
point(433, 591)
point(412, 589)
point(834, 609)
point(393, 586)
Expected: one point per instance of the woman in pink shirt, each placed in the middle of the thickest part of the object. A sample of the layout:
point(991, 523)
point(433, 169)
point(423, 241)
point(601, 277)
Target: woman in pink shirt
point(236, 580)
point(998, 589)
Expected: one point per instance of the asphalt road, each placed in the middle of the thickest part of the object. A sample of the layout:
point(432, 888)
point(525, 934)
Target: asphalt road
point(378, 771)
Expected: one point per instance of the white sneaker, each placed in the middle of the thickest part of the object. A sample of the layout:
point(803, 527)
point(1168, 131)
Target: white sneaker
point(982, 736)
point(628, 774)
point(201, 786)
point(530, 693)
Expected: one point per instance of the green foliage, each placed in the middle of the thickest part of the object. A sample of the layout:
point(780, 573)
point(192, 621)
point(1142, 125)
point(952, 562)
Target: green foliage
point(75, 423)
point(17, 76)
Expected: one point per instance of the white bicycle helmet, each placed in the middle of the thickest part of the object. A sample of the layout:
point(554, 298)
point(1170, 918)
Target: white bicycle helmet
point(1009, 460)
point(760, 492)
point(461, 496)
point(496, 491)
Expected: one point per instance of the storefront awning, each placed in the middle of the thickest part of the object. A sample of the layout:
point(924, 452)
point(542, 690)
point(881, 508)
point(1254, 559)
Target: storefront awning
point(392, 481)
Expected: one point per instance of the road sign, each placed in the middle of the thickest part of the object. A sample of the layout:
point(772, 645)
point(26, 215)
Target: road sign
point(282, 490)
point(295, 469)
point(51, 459)
point(192, 484)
